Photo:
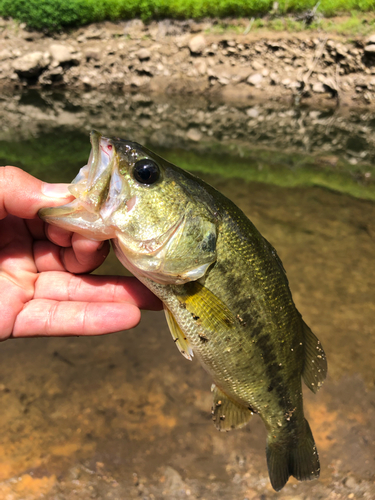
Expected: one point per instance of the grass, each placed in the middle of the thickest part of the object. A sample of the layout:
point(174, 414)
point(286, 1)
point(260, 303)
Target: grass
point(57, 14)
point(351, 24)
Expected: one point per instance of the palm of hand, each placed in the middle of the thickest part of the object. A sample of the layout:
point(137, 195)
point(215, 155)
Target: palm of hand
point(41, 296)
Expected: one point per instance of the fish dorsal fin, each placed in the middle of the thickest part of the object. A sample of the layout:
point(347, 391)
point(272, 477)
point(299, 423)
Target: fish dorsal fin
point(178, 336)
point(207, 309)
point(226, 413)
point(315, 364)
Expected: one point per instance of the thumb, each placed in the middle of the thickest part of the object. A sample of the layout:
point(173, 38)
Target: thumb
point(23, 195)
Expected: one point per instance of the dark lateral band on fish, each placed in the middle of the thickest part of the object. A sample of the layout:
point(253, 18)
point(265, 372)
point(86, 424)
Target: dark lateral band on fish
point(225, 292)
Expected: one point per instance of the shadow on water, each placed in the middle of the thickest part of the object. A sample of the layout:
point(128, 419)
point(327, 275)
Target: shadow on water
point(125, 416)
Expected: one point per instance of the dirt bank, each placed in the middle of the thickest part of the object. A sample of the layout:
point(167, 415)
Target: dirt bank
point(180, 57)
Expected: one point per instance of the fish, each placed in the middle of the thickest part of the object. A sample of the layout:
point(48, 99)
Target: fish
point(225, 292)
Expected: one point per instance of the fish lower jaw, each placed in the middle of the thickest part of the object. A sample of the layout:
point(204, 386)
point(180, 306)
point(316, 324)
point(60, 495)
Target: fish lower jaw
point(73, 217)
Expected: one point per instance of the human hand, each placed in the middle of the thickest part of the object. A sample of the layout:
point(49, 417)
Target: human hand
point(39, 294)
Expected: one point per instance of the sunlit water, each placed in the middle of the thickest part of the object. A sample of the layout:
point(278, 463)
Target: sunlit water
point(126, 416)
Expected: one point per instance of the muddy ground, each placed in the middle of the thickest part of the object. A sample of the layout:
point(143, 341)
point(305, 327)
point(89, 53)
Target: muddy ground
point(186, 57)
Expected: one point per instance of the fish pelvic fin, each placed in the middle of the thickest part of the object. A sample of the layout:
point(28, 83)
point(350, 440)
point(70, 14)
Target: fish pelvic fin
point(226, 413)
point(315, 363)
point(178, 336)
point(297, 458)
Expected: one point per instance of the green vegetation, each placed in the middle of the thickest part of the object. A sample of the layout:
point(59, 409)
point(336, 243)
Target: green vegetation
point(353, 23)
point(53, 156)
point(278, 168)
point(57, 14)
point(56, 156)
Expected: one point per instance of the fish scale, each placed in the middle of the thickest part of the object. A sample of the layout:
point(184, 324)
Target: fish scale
point(226, 295)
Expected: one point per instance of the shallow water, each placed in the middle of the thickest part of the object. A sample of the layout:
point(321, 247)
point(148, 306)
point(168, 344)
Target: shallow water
point(126, 416)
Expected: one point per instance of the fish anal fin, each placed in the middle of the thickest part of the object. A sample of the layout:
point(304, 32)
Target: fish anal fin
point(206, 308)
point(315, 362)
point(297, 458)
point(226, 413)
point(178, 336)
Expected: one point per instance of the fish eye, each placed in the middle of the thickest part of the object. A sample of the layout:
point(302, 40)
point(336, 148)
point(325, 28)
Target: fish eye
point(146, 171)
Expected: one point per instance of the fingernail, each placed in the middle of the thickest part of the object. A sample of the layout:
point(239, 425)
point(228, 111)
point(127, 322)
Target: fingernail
point(55, 190)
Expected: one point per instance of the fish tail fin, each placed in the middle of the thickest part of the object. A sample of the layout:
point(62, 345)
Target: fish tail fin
point(298, 458)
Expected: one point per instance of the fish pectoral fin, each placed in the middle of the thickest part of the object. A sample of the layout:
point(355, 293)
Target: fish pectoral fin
point(178, 336)
point(226, 413)
point(206, 308)
point(315, 363)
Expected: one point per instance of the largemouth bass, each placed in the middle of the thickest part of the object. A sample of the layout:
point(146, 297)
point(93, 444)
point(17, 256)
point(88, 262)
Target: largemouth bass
point(225, 293)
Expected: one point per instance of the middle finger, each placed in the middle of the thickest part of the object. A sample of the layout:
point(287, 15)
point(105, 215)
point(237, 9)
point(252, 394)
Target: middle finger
point(84, 255)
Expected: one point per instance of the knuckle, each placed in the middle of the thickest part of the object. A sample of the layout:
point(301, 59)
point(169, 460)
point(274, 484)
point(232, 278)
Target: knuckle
point(7, 175)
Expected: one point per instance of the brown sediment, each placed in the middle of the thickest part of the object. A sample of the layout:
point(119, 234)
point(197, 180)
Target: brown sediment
point(324, 423)
point(28, 487)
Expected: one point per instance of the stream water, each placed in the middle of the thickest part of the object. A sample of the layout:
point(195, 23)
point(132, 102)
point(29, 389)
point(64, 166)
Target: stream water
point(126, 416)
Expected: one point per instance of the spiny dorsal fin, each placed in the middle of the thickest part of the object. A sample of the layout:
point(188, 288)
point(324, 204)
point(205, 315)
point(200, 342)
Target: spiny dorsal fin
point(205, 306)
point(178, 336)
point(226, 413)
point(315, 364)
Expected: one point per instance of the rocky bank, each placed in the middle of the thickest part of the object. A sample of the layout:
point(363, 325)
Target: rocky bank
point(187, 57)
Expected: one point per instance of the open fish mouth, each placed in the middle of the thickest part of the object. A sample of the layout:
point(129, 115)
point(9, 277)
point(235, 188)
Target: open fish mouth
point(99, 185)
point(99, 190)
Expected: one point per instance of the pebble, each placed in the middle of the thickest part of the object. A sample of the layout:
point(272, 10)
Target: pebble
point(197, 44)
point(193, 134)
point(93, 53)
point(370, 49)
point(143, 54)
point(86, 80)
point(31, 64)
point(201, 66)
point(318, 88)
point(255, 79)
point(257, 65)
point(252, 112)
point(5, 54)
point(61, 53)
point(94, 33)
point(351, 483)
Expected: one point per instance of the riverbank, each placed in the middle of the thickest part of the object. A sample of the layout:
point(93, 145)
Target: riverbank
point(314, 68)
